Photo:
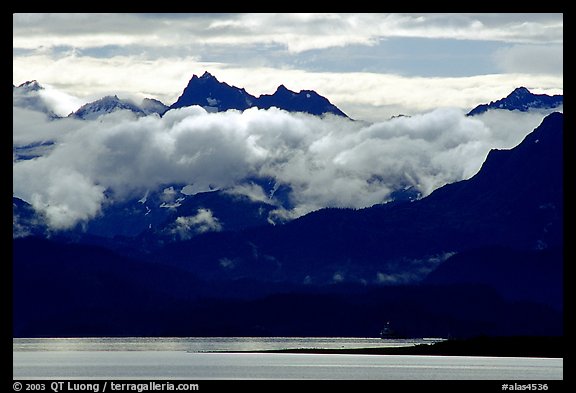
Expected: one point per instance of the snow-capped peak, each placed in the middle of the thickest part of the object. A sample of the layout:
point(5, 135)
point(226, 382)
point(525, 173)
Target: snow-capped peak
point(107, 104)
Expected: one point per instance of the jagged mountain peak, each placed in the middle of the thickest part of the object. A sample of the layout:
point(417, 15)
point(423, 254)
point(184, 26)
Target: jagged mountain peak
point(206, 91)
point(521, 99)
point(283, 89)
point(307, 101)
point(207, 75)
point(520, 91)
point(204, 78)
point(213, 95)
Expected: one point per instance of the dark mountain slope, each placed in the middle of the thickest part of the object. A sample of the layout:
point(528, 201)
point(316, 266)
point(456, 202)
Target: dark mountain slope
point(307, 101)
point(207, 91)
point(64, 290)
point(515, 200)
point(78, 288)
point(518, 275)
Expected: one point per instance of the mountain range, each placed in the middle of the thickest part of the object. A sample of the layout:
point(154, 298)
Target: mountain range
point(154, 216)
point(457, 262)
point(215, 96)
point(205, 91)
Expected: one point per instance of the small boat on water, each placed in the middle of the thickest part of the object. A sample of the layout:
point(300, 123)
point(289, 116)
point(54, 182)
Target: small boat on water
point(388, 332)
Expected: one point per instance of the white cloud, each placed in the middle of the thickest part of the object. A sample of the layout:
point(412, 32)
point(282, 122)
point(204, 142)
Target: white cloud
point(61, 103)
point(325, 161)
point(29, 126)
point(187, 226)
point(252, 191)
point(64, 195)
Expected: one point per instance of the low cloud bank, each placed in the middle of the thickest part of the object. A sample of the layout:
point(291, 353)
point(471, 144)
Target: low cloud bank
point(326, 162)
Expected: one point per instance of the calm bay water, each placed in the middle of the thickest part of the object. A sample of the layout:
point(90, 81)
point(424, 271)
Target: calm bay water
point(213, 358)
point(207, 344)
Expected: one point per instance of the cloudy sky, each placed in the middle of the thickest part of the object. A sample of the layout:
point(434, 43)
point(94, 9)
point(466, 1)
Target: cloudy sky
point(372, 66)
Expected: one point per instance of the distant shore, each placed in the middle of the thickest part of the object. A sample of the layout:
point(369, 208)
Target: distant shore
point(546, 347)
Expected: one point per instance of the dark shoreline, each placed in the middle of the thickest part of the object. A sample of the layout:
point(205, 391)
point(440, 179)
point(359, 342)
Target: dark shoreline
point(546, 347)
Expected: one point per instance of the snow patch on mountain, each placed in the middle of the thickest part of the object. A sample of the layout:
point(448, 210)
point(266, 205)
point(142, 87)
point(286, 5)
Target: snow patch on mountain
point(193, 189)
point(144, 198)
